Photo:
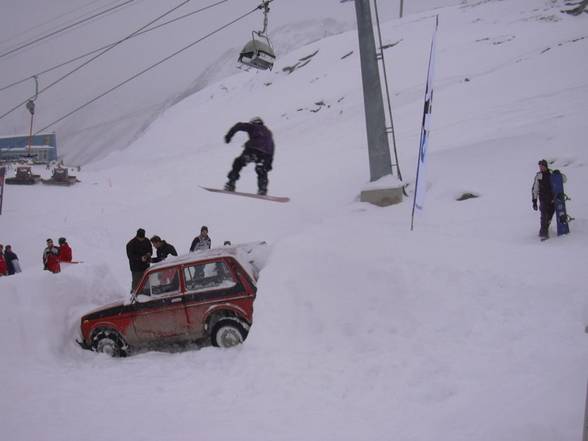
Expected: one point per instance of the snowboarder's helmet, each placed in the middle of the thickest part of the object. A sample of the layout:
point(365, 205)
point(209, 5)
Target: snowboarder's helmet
point(543, 162)
point(256, 120)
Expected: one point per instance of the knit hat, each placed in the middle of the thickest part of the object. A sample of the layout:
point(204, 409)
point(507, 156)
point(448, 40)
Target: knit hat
point(543, 162)
point(61, 240)
point(141, 233)
point(204, 228)
point(156, 239)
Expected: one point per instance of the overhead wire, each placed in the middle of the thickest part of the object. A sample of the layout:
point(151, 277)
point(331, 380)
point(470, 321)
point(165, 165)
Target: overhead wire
point(96, 56)
point(58, 31)
point(152, 66)
point(54, 19)
point(79, 57)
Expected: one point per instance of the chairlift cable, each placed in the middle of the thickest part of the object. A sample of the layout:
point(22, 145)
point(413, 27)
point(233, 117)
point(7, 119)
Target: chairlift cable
point(79, 57)
point(58, 31)
point(163, 60)
point(54, 19)
point(99, 55)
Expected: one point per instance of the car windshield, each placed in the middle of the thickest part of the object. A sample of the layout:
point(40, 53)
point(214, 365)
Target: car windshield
point(162, 282)
point(205, 276)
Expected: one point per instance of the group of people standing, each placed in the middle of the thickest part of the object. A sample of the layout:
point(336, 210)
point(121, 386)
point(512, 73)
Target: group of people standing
point(9, 263)
point(140, 251)
point(54, 255)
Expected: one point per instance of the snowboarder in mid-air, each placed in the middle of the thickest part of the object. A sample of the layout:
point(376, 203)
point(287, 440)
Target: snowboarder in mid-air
point(259, 149)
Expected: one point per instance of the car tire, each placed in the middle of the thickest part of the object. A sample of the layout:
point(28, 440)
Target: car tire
point(108, 341)
point(228, 332)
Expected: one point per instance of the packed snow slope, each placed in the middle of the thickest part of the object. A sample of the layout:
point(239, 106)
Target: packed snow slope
point(467, 328)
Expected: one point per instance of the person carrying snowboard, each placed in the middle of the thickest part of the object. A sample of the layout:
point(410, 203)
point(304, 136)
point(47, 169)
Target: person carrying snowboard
point(259, 149)
point(543, 192)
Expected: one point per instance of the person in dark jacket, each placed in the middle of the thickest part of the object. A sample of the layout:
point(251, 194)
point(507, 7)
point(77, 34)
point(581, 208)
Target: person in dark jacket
point(163, 248)
point(201, 242)
point(139, 252)
point(51, 258)
point(65, 253)
point(542, 191)
point(12, 263)
point(259, 149)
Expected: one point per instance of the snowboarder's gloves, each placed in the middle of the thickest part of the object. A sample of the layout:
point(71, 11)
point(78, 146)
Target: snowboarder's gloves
point(227, 139)
point(535, 204)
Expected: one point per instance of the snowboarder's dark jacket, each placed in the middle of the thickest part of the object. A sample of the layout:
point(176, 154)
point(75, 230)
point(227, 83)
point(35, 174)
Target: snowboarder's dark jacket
point(163, 251)
point(260, 137)
point(136, 249)
point(200, 243)
point(10, 256)
point(542, 188)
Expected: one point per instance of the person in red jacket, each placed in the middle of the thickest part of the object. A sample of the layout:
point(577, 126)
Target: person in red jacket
point(51, 257)
point(3, 266)
point(65, 254)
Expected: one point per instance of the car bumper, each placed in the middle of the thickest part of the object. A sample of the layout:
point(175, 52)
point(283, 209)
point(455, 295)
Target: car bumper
point(83, 344)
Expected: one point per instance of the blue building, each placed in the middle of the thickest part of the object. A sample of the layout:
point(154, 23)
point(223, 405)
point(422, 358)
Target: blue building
point(43, 147)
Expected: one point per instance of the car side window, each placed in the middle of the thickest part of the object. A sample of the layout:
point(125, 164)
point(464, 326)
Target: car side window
point(205, 276)
point(162, 282)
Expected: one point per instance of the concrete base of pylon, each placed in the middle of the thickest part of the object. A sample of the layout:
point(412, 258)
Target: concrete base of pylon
point(384, 192)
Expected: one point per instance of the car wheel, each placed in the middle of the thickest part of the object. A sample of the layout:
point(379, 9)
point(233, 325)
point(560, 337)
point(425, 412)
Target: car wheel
point(109, 342)
point(227, 333)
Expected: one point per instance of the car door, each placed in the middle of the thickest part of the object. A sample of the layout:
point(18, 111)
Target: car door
point(207, 284)
point(160, 310)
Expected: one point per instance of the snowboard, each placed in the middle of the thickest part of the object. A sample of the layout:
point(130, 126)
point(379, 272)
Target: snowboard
point(249, 195)
point(559, 200)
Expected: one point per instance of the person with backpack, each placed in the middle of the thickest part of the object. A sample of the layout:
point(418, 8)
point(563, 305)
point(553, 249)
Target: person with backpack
point(202, 241)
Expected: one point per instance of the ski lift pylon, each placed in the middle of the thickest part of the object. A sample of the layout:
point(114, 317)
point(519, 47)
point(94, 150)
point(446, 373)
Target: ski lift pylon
point(258, 52)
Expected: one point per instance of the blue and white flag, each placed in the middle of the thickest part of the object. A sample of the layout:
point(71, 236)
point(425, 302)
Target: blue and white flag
point(420, 188)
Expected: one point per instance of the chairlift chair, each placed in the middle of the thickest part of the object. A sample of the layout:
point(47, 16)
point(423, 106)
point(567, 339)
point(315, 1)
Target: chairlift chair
point(258, 53)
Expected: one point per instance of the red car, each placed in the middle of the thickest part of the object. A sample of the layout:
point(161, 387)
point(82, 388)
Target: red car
point(207, 295)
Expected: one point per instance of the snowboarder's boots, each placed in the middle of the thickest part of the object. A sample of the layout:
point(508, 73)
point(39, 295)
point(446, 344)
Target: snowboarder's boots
point(230, 186)
point(262, 191)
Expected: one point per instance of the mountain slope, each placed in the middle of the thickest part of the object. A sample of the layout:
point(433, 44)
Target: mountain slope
point(466, 328)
